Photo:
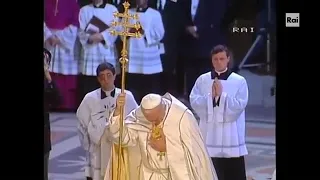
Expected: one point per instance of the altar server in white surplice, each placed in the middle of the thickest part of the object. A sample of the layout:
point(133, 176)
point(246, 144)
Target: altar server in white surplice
point(178, 153)
point(98, 44)
point(144, 53)
point(219, 98)
point(92, 114)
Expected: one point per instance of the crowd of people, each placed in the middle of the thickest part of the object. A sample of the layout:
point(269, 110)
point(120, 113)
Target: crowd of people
point(182, 45)
point(174, 50)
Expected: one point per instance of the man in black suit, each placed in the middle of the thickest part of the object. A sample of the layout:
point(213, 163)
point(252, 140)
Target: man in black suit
point(172, 15)
point(51, 98)
point(202, 32)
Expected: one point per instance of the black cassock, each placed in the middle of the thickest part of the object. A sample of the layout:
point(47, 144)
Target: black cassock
point(51, 98)
point(195, 52)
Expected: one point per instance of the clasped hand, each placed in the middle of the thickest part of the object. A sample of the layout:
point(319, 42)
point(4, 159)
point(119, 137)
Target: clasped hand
point(216, 88)
point(95, 38)
point(158, 144)
point(134, 30)
point(54, 40)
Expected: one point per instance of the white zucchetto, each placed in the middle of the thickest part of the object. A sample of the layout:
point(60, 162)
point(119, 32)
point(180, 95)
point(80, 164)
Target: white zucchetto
point(150, 101)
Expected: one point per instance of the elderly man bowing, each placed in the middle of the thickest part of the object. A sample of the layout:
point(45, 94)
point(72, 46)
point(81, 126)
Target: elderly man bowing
point(163, 140)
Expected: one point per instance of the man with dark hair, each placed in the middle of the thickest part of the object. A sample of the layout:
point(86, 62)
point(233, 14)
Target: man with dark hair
point(93, 114)
point(51, 98)
point(219, 98)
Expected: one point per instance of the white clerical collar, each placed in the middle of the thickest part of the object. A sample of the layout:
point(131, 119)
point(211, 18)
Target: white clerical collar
point(105, 94)
point(221, 71)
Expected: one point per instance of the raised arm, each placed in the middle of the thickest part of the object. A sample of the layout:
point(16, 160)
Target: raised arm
point(230, 107)
point(129, 136)
point(155, 32)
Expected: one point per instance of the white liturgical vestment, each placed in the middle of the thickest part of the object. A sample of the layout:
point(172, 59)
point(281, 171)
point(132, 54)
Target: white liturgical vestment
point(222, 122)
point(96, 53)
point(93, 113)
point(144, 52)
point(186, 157)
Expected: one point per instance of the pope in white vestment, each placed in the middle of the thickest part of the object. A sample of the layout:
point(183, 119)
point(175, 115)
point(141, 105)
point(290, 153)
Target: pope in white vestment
point(93, 113)
point(219, 98)
point(185, 157)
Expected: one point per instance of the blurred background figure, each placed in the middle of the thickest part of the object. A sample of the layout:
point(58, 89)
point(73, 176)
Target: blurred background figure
point(172, 13)
point(145, 66)
point(51, 99)
point(191, 28)
point(60, 34)
point(202, 27)
point(98, 45)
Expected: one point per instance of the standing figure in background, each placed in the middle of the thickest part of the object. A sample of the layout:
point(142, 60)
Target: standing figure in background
point(219, 97)
point(117, 4)
point(98, 44)
point(172, 15)
point(60, 34)
point(51, 99)
point(202, 32)
point(145, 66)
point(93, 115)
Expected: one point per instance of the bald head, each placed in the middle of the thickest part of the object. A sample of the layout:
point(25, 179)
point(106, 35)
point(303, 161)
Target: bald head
point(152, 107)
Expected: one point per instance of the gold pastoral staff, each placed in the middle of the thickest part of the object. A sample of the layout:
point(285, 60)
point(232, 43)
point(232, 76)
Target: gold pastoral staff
point(119, 169)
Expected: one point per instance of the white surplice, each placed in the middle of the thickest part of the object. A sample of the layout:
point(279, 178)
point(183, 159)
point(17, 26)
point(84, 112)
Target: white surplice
point(144, 52)
point(63, 56)
point(92, 114)
point(94, 54)
point(222, 126)
point(186, 157)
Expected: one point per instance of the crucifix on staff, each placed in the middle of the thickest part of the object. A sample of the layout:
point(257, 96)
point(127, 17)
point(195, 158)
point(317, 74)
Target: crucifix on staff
point(119, 170)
